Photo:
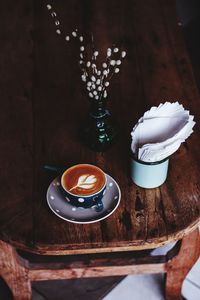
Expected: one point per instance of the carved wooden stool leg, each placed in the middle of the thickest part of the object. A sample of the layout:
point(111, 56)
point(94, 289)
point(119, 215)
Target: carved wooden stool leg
point(15, 275)
point(180, 265)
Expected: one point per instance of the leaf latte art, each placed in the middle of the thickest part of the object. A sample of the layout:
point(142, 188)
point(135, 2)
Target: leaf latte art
point(83, 180)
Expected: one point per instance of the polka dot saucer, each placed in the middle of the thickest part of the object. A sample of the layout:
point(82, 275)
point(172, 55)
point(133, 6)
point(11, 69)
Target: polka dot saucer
point(63, 209)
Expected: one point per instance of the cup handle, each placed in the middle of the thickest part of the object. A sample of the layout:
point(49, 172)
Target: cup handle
point(98, 205)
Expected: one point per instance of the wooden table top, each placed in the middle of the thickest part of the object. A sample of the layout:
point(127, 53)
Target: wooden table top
point(43, 104)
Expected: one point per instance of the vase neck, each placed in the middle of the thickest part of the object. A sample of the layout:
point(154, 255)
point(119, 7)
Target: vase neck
point(98, 108)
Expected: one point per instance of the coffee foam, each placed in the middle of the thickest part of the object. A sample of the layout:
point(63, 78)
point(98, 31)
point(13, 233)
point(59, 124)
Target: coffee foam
point(83, 180)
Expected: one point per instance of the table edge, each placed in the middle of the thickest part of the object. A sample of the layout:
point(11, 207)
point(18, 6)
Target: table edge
point(137, 245)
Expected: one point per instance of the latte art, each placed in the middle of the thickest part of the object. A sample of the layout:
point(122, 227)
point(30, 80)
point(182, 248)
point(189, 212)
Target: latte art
point(83, 180)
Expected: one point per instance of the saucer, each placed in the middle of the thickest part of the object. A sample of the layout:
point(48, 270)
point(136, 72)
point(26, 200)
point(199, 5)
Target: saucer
point(61, 206)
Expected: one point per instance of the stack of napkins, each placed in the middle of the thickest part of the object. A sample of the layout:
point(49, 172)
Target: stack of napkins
point(160, 132)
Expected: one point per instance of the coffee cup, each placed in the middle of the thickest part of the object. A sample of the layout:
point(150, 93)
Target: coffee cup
point(84, 185)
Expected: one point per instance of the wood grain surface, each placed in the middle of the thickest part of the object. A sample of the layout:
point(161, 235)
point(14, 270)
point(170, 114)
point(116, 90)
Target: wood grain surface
point(43, 105)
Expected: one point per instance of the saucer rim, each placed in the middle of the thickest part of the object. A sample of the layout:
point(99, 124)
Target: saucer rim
point(92, 221)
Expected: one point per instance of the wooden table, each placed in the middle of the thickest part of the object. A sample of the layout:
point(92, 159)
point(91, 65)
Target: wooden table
point(42, 106)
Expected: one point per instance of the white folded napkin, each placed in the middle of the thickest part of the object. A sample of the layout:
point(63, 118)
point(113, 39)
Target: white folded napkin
point(160, 132)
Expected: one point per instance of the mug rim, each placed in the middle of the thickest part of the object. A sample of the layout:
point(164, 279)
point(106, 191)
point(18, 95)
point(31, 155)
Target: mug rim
point(84, 196)
point(148, 163)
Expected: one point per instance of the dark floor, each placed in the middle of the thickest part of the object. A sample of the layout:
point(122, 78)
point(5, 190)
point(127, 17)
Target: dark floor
point(84, 289)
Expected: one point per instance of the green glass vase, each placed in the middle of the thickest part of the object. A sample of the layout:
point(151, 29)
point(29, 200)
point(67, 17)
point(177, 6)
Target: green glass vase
point(100, 131)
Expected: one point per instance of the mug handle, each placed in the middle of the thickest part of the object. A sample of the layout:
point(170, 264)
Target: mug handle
point(98, 205)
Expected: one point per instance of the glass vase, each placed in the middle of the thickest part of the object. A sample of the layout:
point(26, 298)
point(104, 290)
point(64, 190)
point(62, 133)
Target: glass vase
point(99, 131)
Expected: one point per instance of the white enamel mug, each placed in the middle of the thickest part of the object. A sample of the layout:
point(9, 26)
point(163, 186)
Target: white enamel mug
point(149, 174)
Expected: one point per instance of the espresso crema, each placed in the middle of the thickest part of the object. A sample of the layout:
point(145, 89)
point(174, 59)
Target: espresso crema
point(83, 180)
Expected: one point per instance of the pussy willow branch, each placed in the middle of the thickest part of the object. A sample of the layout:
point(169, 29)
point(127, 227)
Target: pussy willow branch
point(97, 80)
